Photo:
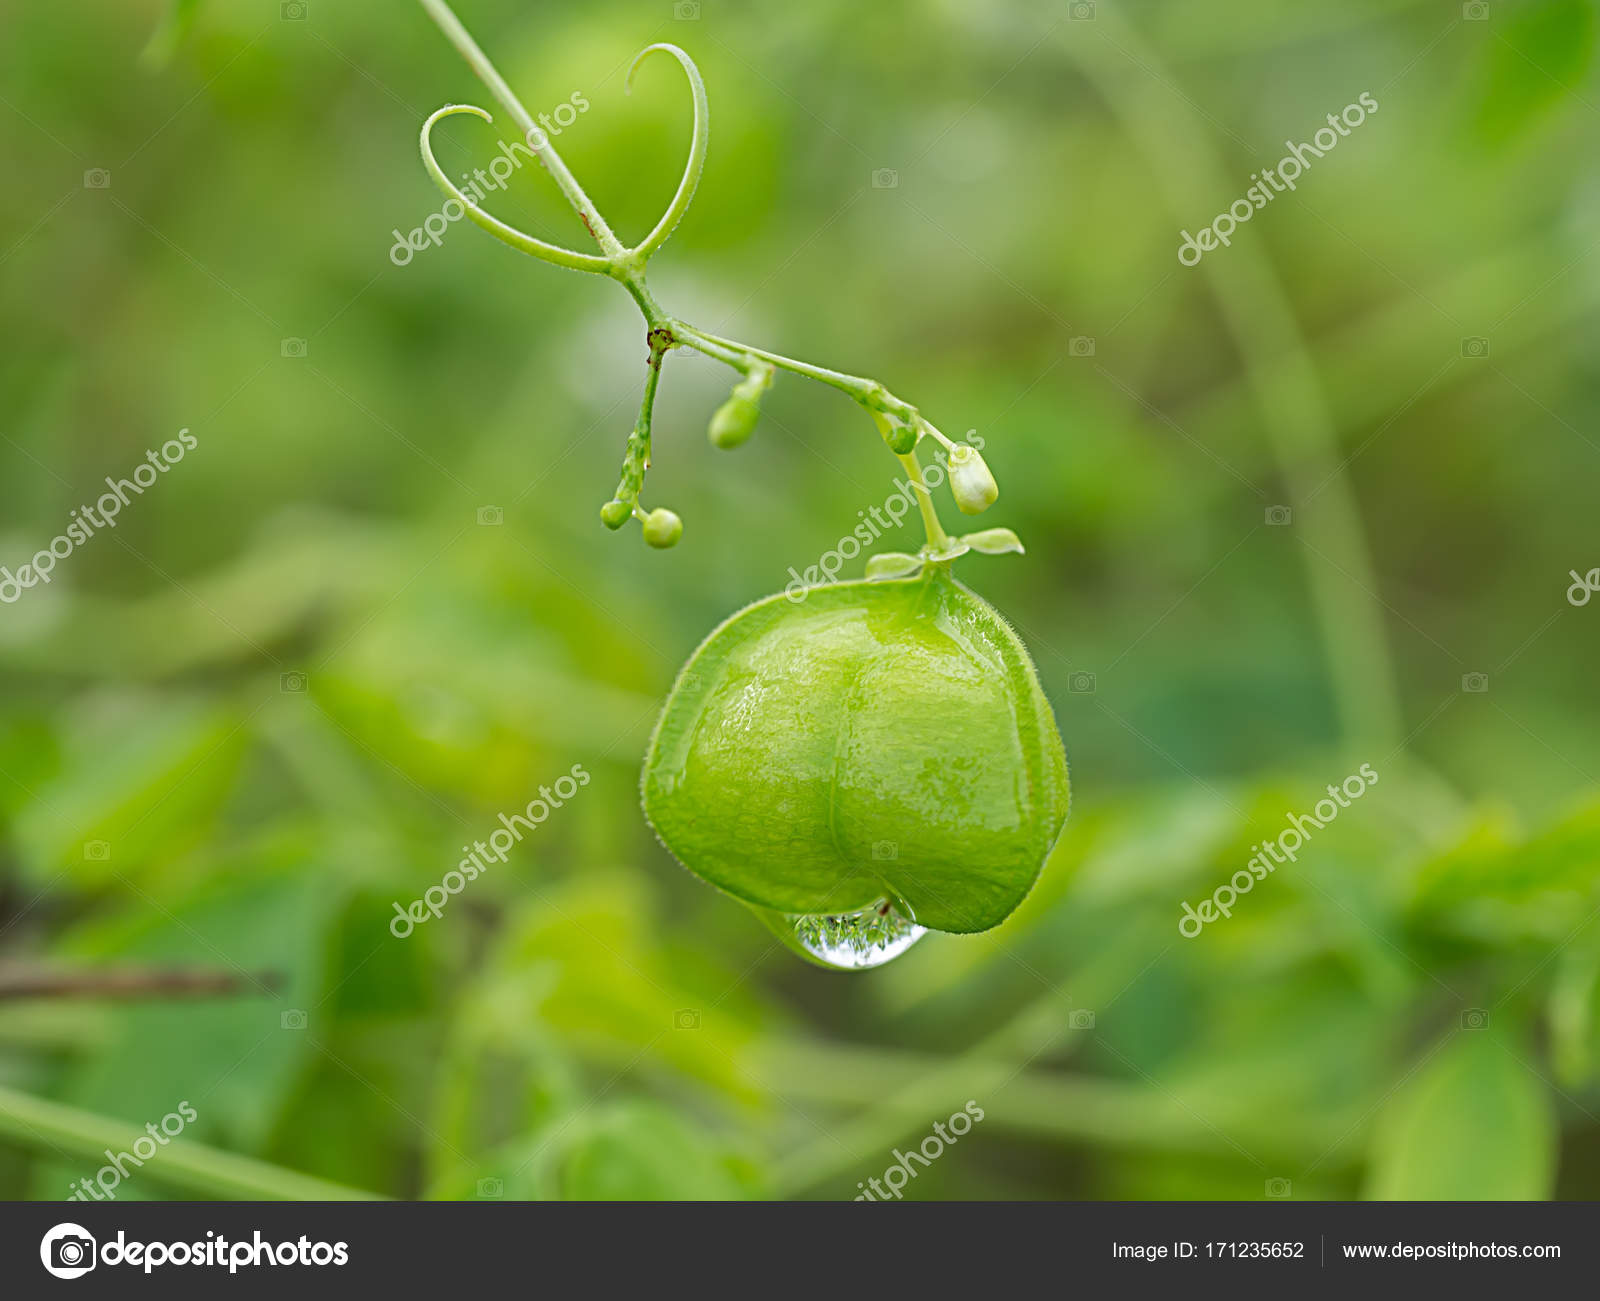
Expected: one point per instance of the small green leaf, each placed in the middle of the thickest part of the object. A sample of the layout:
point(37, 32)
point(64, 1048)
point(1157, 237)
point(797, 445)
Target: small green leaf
point(994, 542)
point(1475, 1123)
point(892, 564)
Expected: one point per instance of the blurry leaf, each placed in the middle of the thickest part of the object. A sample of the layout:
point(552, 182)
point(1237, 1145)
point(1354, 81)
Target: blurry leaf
point(232, 1059)
point(591, 955)
point(1475, 1123)
point(1574, 1015)
point(994, 542)
point(629, 1150)
point(1495, 887)
point(141, 779)
point(1537, 54)
point(640, 1151)
point(892, 564)
point(174, 26)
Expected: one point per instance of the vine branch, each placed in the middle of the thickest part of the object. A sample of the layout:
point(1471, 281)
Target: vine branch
point(901, 425)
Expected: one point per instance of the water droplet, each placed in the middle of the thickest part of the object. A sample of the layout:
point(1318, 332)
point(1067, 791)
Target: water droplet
point(853, 941)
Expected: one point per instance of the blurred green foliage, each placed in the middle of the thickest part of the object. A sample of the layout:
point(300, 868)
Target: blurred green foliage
point(308, 664)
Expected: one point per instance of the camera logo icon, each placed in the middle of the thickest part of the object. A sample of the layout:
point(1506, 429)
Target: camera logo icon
point(1082, 346)
point(1475, 11)
point(491, 515)
point(68, 1251)
point(885, 178)
point(686, 1018)
point(1081, 1019)
point(97, 178)
point(686, 11)
point(292, 1019)
point(1279, 1188)
point(1475, 347)
point(292, 348)
point(1080, 9)
point(1081, 683)
point(1475, 1018)
point(885, 851)
point(96, 851)
point(292, 11)
point(491, 1188)
point(1475, 682)
point(293, 682)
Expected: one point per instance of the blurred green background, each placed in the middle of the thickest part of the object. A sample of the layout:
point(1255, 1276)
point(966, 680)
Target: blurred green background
point(374, 608)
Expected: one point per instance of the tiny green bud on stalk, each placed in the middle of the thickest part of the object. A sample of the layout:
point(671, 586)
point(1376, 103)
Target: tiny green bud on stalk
point(662, 528)
point(901, 439)
point(971, 484)
point(734, 421)
point(614, 514)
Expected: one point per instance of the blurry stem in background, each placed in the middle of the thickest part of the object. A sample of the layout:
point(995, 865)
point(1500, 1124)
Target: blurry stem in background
point(52, 1129)
point(1337, 563)
point(627, 266)
point(132, 982)
point(1090, 1110)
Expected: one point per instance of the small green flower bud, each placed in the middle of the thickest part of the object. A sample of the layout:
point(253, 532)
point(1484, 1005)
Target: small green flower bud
point(662, 528)
point(735, 420)
point(901, 439)
point(614, 514)
point(971, 483)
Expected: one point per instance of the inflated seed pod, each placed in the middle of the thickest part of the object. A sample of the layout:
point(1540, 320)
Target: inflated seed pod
point(873, 741)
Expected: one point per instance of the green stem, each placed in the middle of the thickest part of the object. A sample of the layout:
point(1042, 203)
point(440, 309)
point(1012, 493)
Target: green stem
point(50, 1127)
point(636, 458)
point(534, 136)
point(1044, 1105)
point(938, 539)
point(868, 392)
point(628, 265)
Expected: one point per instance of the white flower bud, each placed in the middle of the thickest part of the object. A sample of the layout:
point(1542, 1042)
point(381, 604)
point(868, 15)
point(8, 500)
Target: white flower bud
point(971, 483)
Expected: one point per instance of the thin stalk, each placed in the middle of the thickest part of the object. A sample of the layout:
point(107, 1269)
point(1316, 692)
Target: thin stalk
point(868, 392)
point(536, 138)
point(938, 539)
point(636, 457)
point(51, 1128)
point(1337, 563)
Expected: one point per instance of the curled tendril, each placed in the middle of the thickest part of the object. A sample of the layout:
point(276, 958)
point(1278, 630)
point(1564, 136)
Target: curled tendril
point(697, 147)
point(564, 257)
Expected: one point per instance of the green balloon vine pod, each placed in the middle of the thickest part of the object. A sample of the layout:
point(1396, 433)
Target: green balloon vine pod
point(859, 762)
